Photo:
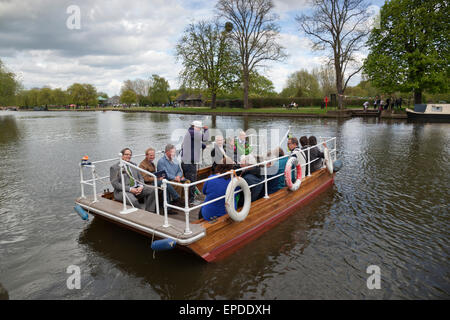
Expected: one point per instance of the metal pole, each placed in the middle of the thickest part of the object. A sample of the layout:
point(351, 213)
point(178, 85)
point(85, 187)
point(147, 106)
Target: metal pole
point(309, 161)
point(265, 181)
point(125, 210)
point(82, 182)
point(155, 179)
point(121, 166)
point(335, 149)
point(94, 186)
point(166, 219)
point(186, 209)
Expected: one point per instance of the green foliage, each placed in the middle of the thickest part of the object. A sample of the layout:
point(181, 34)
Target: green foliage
point(128, 97)
point(42, 97)
point(260, 86)
point(273, 102)
point(82, 94)
point(159, 90)
point(410, 50)
point(209, 62)
point(9, 86)
point(301, 84)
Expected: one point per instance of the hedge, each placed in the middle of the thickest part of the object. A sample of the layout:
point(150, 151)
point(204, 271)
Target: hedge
point(279, 102)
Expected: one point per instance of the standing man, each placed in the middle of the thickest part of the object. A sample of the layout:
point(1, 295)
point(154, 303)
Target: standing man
point(134, 188)
point(191, 152)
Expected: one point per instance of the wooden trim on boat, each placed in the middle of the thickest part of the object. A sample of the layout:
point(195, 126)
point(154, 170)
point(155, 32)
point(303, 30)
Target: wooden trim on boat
point(224, 236)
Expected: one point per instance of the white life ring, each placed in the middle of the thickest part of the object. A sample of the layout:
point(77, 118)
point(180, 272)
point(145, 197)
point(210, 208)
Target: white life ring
point(328, 161)
point(287, 173)
point(229, 199)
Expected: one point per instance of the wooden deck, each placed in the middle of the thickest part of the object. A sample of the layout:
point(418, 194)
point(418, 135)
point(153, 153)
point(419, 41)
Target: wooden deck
point(141, 221)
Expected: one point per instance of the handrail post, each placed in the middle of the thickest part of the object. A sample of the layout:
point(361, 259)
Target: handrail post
point(186, 209)
point(309, 161)
point(94, 185)
point(82, 182)
point(121, 166)
point(125, 210)
point(155, 180)
point(166, 219)
point(335, 148)
point(265, 181)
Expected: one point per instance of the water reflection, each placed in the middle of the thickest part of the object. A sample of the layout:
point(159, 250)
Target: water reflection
point(166, 273)
point(9, 132)
point(389, 207)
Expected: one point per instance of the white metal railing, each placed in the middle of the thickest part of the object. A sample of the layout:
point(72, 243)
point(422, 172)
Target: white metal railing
point(186, 209)
point(186, 186)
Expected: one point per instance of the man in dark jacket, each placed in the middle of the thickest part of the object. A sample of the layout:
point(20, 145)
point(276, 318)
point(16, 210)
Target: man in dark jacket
point(315, 154)
point(191, 152)
point(135, 189)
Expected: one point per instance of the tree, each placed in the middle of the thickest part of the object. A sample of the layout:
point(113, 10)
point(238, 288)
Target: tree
point(140, 88)
point(44, 96)
point(410, 50)
point(207, 57)
point(338, 26)
point(159, 90)
point(128, 96)
point(254, 32)
point(301, 84)
point(60, 97)
point(82, 94)
point(260, 86)
point(9, 85)
point(326, 77)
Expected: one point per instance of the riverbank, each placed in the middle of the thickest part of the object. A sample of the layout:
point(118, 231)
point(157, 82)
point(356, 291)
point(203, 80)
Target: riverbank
point(310, 112)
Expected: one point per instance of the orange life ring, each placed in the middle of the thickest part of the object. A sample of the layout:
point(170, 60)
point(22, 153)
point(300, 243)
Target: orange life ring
point(287, 174)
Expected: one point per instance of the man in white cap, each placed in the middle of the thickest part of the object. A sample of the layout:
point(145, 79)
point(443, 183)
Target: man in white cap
point(191, 152)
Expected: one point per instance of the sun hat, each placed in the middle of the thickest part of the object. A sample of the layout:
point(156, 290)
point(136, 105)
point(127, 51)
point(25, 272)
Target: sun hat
point(197, 124)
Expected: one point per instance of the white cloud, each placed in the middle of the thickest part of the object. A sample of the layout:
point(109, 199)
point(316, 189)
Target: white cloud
point(120, 40)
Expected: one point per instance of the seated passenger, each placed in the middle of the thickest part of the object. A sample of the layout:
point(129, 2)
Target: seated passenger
point(252, 176)
point(231, 151)
point(135, 189)
point(305, 145)
point(169, 164)
point(278, 183)
point(213, 189)
point(242, 144)
point(315, 154)
point(219, 153)
point(292, 145)
point(148, 165)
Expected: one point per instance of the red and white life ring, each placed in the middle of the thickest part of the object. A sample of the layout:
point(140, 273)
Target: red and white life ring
point(287, 174)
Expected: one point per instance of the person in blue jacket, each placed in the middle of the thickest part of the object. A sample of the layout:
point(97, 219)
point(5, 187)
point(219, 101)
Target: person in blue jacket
point(278, 183)
point(213, 189)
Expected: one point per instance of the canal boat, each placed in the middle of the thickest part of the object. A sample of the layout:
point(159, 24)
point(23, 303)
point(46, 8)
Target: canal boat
point(216, 239)
point(429, 112)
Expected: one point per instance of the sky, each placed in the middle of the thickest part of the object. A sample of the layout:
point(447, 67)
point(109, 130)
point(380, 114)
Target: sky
point(115, 40)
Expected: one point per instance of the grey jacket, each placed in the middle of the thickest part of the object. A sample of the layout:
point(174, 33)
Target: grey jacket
point(116, 179)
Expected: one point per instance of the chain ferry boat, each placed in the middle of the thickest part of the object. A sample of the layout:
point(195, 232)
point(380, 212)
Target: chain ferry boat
point(216, 239)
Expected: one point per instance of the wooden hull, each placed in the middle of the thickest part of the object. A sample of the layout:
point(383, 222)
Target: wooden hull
point(225, 236)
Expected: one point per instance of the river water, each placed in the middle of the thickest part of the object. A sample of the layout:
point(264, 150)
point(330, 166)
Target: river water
point(388, 207)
